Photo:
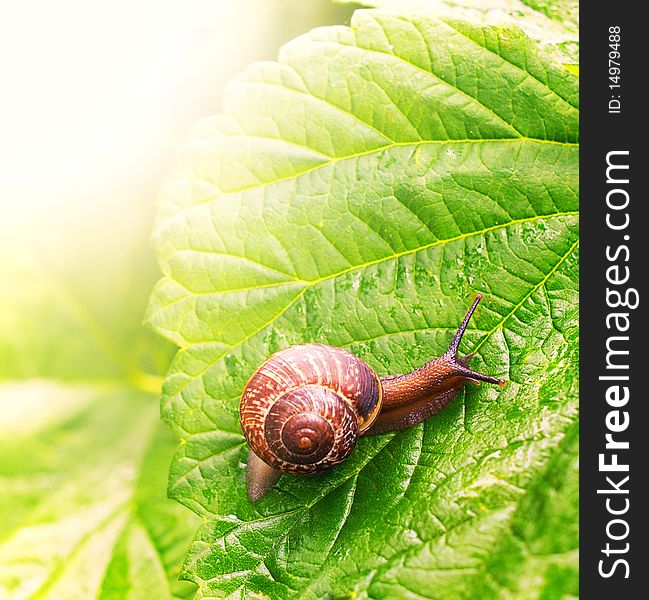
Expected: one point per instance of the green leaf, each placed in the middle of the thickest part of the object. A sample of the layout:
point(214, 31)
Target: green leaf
point(73, 308)
point(359, 192)
point(554, 23)
point(83, 514)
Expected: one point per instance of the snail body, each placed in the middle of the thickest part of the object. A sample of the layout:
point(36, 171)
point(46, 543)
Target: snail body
point(304, 408)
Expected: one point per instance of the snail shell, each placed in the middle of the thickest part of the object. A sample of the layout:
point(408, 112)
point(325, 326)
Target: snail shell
point(304, 408)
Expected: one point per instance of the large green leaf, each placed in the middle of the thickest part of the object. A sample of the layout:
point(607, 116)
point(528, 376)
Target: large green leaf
point(359, 192)
point(84, 515)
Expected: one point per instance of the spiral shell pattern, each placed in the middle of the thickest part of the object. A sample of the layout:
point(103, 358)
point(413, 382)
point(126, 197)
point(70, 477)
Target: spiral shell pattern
point(302, 410)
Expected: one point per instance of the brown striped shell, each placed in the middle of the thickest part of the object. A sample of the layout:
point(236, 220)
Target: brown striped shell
point(303, 409)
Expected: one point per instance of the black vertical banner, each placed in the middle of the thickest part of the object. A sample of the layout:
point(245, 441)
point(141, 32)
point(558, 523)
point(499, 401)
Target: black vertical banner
point(614, 408)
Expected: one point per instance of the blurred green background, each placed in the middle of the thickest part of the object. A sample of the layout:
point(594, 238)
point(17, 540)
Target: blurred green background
point(96, 100)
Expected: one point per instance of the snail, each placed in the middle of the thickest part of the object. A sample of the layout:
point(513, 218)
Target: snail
point(304, 408)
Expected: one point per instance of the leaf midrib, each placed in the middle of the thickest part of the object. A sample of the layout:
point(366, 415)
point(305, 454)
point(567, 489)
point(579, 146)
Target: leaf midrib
point(336, 159)
point(308, 284)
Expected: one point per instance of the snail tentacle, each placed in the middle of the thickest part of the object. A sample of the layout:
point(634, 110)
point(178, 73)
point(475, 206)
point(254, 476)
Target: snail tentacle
point(411, 398)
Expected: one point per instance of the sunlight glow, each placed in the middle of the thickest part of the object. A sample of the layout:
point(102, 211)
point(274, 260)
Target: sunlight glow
point(97, 95)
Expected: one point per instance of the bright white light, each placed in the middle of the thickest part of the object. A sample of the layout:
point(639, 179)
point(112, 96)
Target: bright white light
point(95, 93)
